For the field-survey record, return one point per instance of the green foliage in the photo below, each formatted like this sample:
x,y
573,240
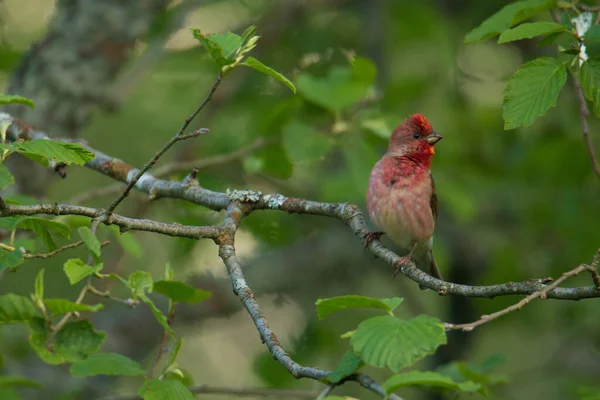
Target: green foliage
x,y
140,283
40,150
480,373
341,88
11,259
427,379
63,306
76,270
394,343
42,228
179,291
127,241
260,67
160,317
532,90
15,308
6,178
12,381
162,389
508,16
12,99
588,393
106,364
592,41
334,304
91,241
529,30
347,365
590,82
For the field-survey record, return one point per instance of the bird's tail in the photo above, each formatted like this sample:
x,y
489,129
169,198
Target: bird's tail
x,y
428,264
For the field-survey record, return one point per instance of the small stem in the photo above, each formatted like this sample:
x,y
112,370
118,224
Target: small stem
x,y
584,113
68,316
163,342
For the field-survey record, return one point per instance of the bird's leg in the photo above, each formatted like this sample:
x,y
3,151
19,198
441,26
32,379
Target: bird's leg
x,y
404,260
369,237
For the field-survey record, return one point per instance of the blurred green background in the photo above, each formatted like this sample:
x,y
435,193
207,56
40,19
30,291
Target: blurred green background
x,y
514,205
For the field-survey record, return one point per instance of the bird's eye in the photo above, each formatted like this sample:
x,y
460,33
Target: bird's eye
x,y
416,135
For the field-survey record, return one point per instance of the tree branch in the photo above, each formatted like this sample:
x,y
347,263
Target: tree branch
x,y
542,294
52,253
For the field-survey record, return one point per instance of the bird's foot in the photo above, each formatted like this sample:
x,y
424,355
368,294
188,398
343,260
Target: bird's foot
x,y
369,237
401,262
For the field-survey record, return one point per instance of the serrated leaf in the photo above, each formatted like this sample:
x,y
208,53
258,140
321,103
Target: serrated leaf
x,y
11,259
90,240
6,178
394,343
529,30
13,99
160,317
106,364
221,46
166,389
15,308
68,153
13,381
532,90
63,306
180,291
39,284
591,39
77,340
140,283
260,67
590,82
76,270
347,365
303,143
427,378
341,88
334,304
508,16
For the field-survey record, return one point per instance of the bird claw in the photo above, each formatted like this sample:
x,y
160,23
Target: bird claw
x,y
401,262
370,237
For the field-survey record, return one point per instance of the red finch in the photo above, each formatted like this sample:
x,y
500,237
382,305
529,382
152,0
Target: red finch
x,y
401,199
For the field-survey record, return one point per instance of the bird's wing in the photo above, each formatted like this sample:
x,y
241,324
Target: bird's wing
x,y
433,201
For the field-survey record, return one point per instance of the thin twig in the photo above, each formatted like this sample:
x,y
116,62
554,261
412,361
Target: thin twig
x,y
542,294
52,253
237,392
131,303
584,113
326,391
594,269
162,344
166,147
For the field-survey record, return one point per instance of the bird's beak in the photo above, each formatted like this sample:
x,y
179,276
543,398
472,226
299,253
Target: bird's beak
x,y
433,138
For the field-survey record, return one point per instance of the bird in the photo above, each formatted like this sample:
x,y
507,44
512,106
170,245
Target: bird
x,y
401,198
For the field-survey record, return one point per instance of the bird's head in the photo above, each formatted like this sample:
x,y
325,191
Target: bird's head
x,y
413,136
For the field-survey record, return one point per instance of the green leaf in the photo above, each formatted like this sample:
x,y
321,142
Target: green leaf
x,y
175,351
11,259
160,317
166,389
76,270
77,340
529,30
90,240
347,365
591,39
532,90
334,304
180,291
68,153
15,308
221,46
140,283
340,89
106,364
12,99
260,67
590,82
394,343
42,228
588,393
39,284
6,178
508,16
427,378
63,306
303,143
13,381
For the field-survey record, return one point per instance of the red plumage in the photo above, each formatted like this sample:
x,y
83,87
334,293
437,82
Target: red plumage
x,y
401,199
